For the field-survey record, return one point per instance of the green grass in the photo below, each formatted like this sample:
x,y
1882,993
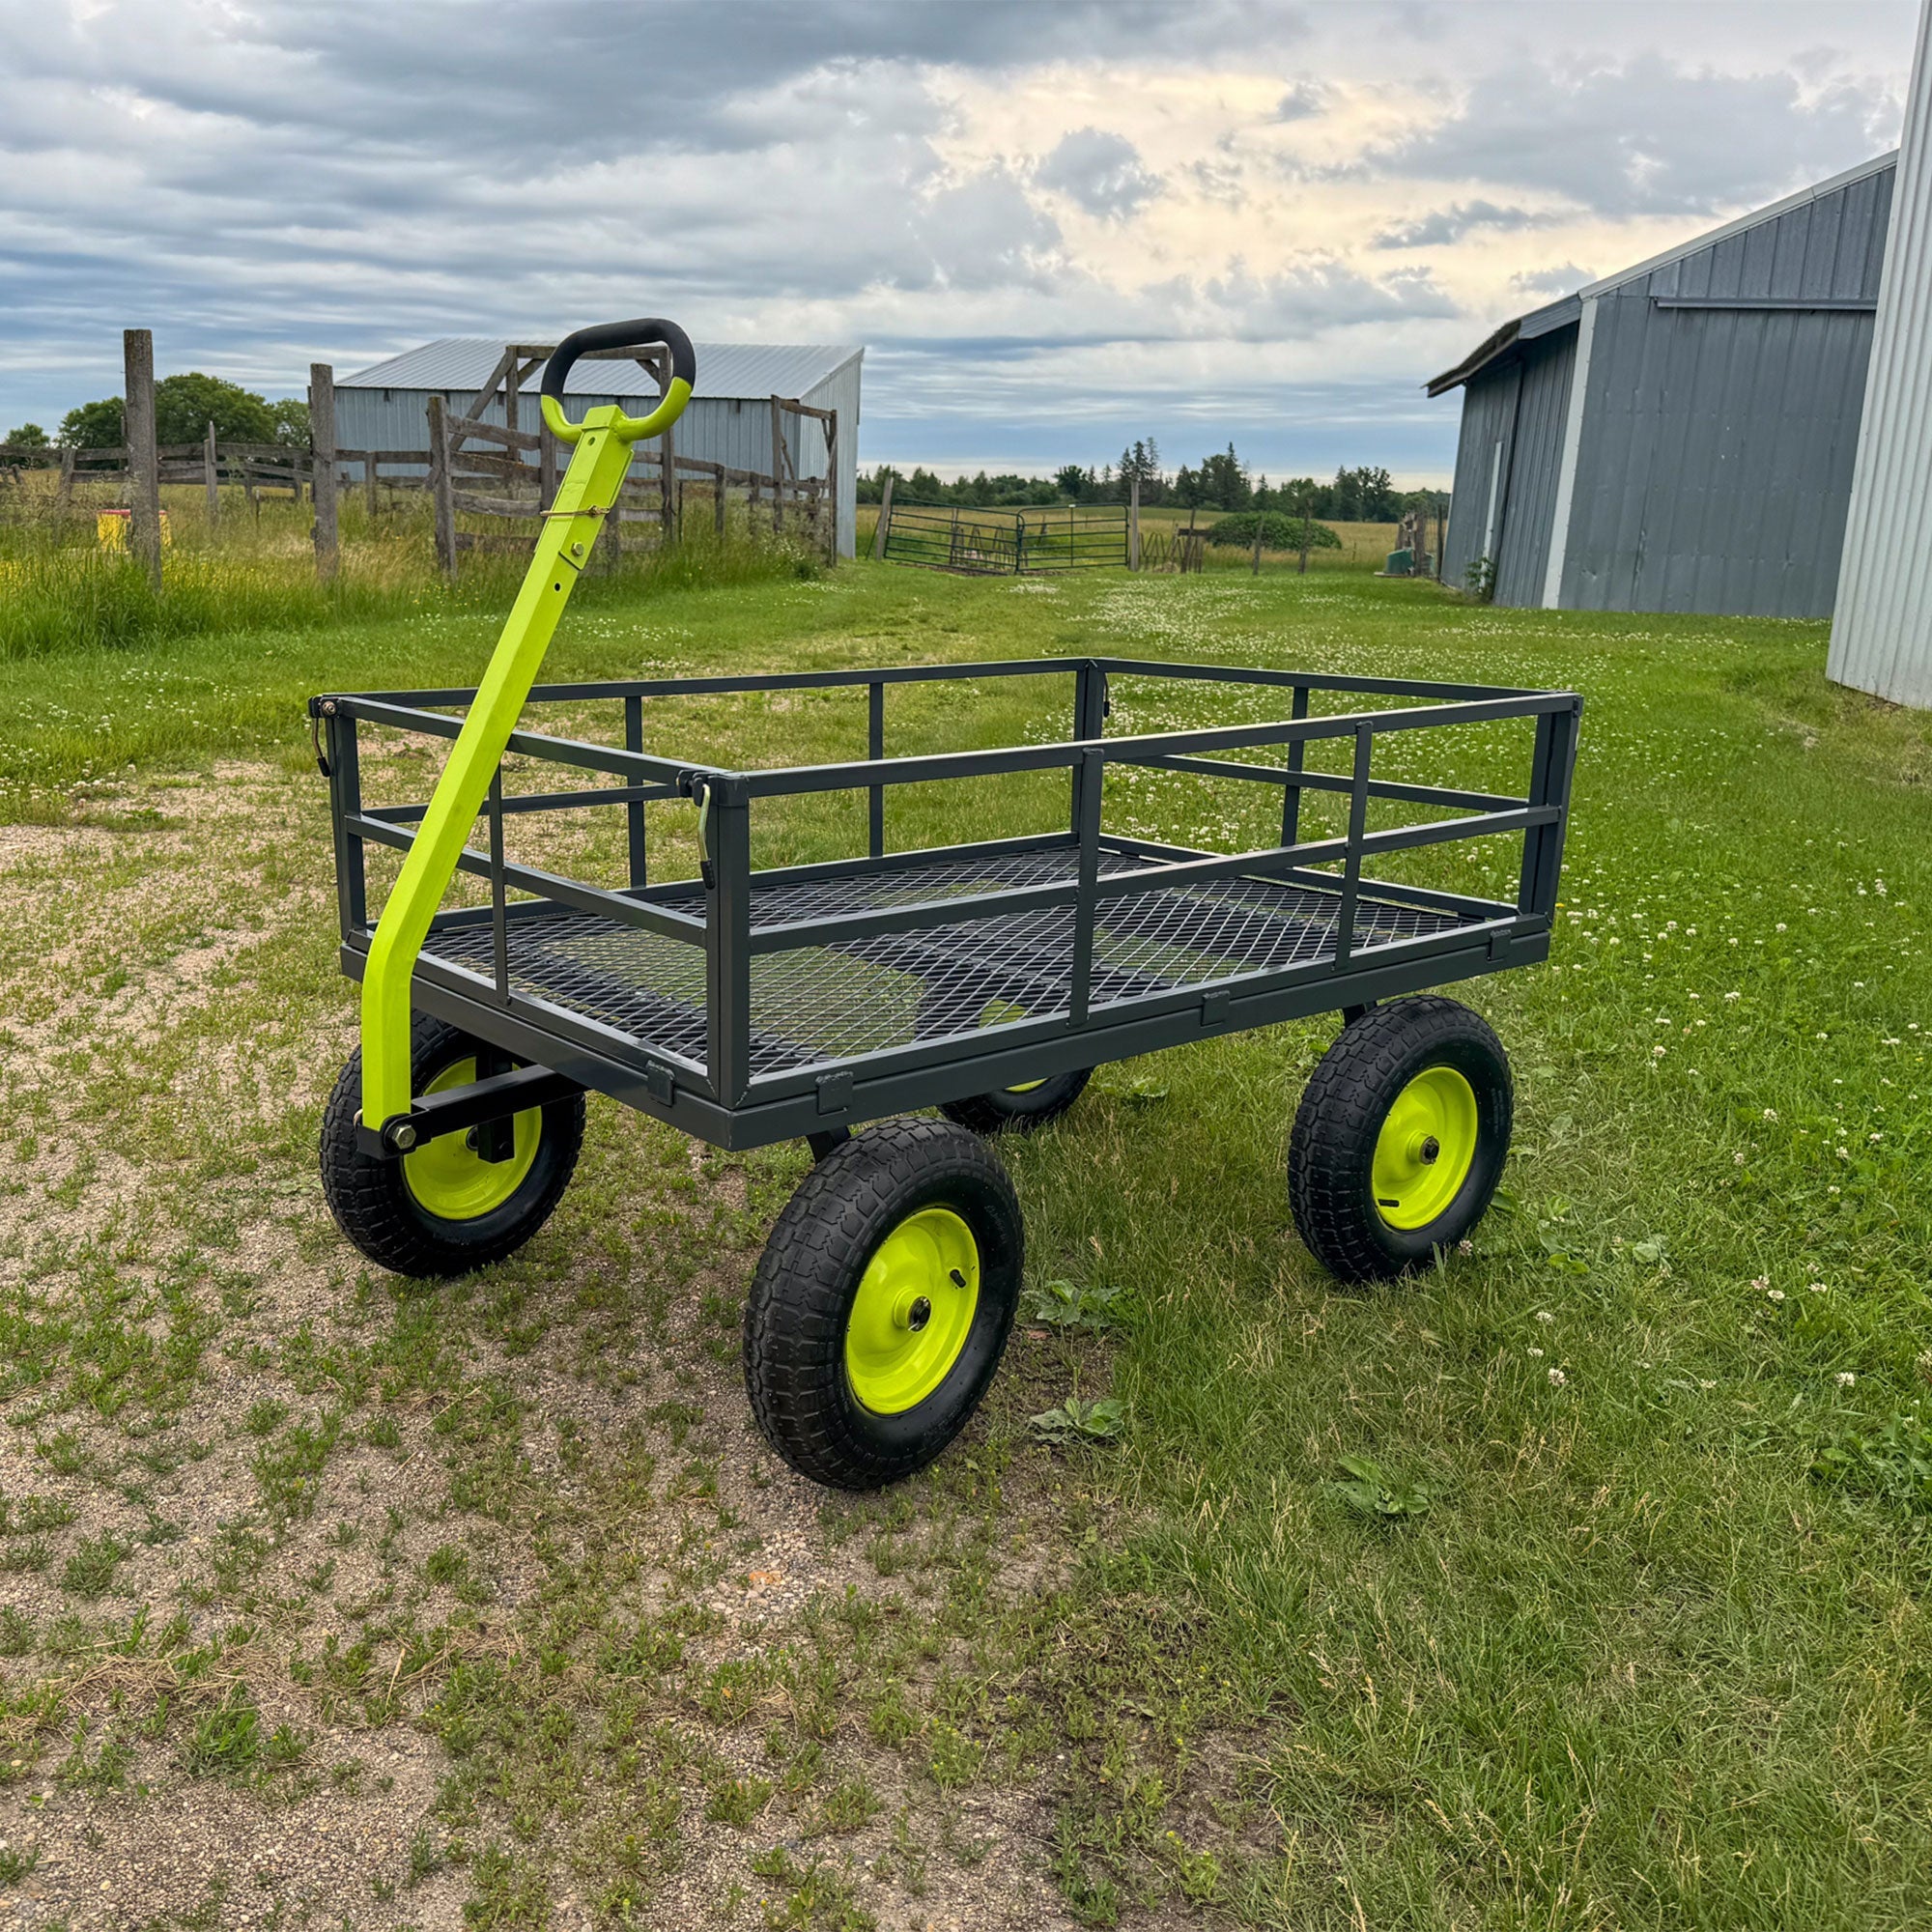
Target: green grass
x,y
1578,1583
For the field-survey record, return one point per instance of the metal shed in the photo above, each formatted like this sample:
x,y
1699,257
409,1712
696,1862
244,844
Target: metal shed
x,y
1680,435
729,420
1882,630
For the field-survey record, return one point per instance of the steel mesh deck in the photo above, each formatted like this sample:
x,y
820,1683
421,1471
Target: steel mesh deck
x,y
828,1002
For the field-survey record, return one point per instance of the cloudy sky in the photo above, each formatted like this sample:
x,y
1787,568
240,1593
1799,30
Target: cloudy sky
x,y
1055,225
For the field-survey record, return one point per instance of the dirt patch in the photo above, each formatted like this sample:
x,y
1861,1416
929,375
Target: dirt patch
x,y
331,1598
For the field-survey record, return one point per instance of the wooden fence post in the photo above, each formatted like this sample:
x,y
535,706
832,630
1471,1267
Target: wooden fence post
x,y
321,467
369,484
64,490
718,502
667,489
778,465
211,475
885,522
1133,523
546,468
144,469
440,489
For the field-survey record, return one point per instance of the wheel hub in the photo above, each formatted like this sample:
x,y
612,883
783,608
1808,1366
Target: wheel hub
x,y
913,1310
1426,1149
448,1176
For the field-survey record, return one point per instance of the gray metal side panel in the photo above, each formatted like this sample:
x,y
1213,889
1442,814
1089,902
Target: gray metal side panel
x,y
1718,445
1882,630
1535,461
1489,409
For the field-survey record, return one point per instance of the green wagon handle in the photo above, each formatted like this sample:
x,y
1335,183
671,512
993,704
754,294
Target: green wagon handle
x,y
600,457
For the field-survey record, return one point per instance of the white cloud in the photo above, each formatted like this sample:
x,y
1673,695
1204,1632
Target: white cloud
x,y
1131,215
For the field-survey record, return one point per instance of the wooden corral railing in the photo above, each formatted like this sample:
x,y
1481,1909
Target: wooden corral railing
x,y
485,469
470,468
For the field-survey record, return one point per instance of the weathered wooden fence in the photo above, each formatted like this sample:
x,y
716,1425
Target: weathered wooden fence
x,y
500,470
468,466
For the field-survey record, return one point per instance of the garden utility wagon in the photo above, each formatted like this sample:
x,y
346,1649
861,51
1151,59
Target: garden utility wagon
x,y
986,979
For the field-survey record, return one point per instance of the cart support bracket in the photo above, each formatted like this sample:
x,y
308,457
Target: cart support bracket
x,y
460,1110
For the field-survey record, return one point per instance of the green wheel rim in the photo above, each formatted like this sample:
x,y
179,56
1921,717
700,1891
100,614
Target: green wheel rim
x,y
1003,1012
1426,1149
450,1180
913,1310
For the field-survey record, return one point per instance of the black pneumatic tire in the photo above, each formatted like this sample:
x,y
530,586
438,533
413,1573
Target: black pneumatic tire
x,y
1005,1109
808,1278
371,1199
1331,1152
1008,1110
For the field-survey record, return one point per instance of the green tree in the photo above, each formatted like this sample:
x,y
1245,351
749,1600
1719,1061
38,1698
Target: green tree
x,y
1141,460
186,405
291,416
1223,481
24,446
1278,532
93,426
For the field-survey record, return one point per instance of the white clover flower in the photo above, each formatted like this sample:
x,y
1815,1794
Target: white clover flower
x,y
1558,1378
1737,1160
1780,926
1874,1139
1815,1286
1771,1113
1465,1246
1730,996
1536,1354
1703,1385
1844,1378
1760,1282
1543,1315
1844,1153
1775,1293
1658,1052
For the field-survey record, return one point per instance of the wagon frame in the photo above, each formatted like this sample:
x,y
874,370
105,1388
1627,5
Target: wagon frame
x,y
718,1097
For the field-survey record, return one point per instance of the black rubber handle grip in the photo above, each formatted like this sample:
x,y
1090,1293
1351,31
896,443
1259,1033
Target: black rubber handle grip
x,y
639,335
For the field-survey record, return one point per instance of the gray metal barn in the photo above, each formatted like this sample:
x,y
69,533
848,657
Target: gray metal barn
x,y
1680,435
729,420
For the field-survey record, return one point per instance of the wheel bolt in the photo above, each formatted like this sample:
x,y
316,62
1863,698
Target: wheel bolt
x,y
918,1315
1431,1149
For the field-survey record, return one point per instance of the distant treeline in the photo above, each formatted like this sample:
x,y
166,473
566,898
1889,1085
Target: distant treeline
x,y
1221,482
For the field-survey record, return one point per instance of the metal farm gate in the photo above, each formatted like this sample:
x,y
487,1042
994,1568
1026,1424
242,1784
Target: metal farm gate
x,y
1005,543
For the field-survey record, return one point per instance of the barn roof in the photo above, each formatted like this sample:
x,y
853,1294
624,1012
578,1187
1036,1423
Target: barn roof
x,y
724,369
1558,314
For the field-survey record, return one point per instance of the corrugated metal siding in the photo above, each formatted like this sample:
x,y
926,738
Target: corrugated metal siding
x,y
1715,458
1535,456
724,369
1488,415
1881,635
